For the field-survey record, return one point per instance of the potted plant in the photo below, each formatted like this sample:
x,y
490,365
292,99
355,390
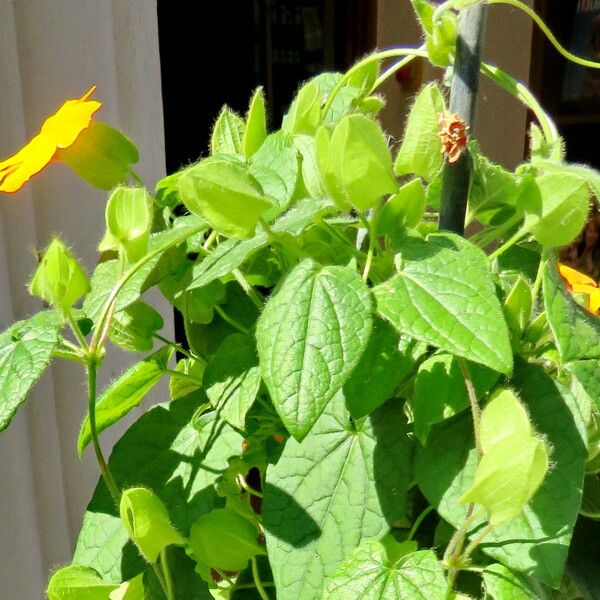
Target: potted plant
x,y
368,402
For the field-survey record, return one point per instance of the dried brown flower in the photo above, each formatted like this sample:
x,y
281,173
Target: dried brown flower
x,y
453,134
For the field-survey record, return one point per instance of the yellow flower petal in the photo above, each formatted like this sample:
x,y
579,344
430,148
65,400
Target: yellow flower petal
x,y
574,277
579,283
59,130
594,305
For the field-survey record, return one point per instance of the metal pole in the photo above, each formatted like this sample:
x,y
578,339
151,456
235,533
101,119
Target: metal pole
x,y
465,80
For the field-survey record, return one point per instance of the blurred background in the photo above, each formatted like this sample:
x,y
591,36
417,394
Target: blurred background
x,y
163,70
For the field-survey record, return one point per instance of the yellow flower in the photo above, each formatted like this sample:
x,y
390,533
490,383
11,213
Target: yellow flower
x,y
579,283
58,131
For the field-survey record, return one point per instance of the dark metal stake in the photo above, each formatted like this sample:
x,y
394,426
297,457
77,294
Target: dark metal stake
x,y
456,176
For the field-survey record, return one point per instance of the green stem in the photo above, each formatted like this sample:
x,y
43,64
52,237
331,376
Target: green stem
x,y
244,485
76,331
231,320
518,236
209,240
372,227
104,469
225,577
475,542
418,522
68,355
177,347
475,410
254,296
169,590
136,177
160,577
397,66
537,284
252,586
184,375
384,54
257,582
546,30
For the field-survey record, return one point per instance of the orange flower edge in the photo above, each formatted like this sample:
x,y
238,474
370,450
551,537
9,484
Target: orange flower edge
x,y
580,283
452,134
59,130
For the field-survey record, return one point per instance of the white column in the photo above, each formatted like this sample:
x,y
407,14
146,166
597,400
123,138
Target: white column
x,y
51,51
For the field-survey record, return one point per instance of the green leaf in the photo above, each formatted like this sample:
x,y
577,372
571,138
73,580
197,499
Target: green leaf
x,y
134,327
583,558
224,539
441,43
564,210
124,394
59,279
364,77
576,331
381,368
493,192
356,163
587,375
232,378
130,590
404,209
78,583
424,11
503,584
101,156
440,391
226,195
163,452
304,114
421,150
536,542
305,144
346,482
590,502
256,124
444,296
147,521
514,461
129,220
106,275
368,575
228,133
518,306
190,380
25,352
230,254
197,305
310,337
279,156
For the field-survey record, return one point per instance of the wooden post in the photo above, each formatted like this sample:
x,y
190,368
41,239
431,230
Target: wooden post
x,y
465,80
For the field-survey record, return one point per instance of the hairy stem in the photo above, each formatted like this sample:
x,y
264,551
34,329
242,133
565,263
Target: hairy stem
x,y
475,410
548,33
257,582
91,369
418,522
475,542
169,590
231,320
